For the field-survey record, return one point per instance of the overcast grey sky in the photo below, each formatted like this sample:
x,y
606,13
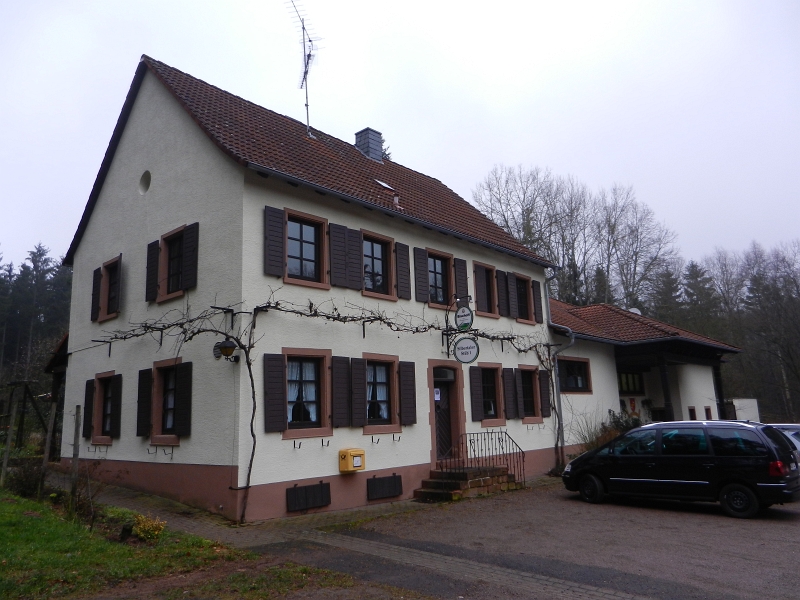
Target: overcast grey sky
x,y
694,103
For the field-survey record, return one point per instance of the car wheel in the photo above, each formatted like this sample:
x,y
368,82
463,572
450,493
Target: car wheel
x,y
591,489
738,501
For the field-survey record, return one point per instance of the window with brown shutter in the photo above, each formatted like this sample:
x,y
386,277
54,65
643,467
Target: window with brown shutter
x,y
524,299
103,408
379,393
171,402
434,277
298,386
107,290
172,264
527,385
485,290
274,238
486,392
307,255
380,267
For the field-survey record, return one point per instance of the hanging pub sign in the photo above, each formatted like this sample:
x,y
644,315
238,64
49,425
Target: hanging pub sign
x,y
464,318
466,349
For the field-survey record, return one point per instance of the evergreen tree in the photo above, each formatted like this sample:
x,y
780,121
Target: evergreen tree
x,y
702,304
665,298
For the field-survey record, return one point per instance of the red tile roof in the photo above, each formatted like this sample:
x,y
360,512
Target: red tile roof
x,y
619,326
267,141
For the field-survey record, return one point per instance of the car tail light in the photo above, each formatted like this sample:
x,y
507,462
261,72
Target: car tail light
x,y
778,469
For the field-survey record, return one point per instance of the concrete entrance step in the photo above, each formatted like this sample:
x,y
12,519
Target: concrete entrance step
x,y
446,486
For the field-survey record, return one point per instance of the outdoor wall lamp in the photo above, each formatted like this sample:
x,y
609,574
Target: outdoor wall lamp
x,y
225,350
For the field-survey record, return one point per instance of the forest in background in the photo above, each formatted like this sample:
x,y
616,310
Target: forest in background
x,y
613,250
34,316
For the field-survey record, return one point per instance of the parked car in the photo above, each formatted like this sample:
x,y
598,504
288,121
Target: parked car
x,y
743,466
790,430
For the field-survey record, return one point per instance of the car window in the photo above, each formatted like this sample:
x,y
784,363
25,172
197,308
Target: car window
x,y
736,442
777,438
683,441
636,443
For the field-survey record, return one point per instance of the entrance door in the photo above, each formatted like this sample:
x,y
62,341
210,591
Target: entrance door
x,y
444,426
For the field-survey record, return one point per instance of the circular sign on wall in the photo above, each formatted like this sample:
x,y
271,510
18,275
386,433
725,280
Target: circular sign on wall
x,y
466,349
464,318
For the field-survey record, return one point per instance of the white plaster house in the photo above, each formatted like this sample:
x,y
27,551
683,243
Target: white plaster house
x,y
204,199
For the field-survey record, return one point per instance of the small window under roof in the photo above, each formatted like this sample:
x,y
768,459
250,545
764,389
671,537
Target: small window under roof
x,y
383,184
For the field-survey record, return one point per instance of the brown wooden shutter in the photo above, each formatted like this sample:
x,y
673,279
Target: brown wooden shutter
x,y
355,259
520,395
191,243
338,243
340,393
462,287
88,408
408,393
476,393
544,392
358,391
403,271
275,407
151,279
183,399
481,298
97,278
421,290
537,301
118,289
144,403
513,309
502,293
510,394
274,253
116,405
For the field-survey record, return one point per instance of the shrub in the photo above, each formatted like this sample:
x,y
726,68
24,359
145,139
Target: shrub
x,y
148,528
23,479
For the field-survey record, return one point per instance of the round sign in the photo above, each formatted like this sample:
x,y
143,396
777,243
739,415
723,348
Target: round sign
x,y
466,349
464,318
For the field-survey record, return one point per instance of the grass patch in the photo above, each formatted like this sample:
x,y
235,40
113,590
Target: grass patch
x,y
43,555
272,582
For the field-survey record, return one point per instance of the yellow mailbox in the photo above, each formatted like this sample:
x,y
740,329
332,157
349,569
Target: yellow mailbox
x,y
351,460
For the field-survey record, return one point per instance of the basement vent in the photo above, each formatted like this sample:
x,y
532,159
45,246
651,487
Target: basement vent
x,y
308,496
384,487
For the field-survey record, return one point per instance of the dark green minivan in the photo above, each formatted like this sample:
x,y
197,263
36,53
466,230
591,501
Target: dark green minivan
x,y
743,466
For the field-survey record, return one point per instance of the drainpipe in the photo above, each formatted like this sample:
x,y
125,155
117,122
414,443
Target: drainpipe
x,y
556,380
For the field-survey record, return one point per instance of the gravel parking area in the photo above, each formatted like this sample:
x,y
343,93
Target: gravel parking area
x,y
657,549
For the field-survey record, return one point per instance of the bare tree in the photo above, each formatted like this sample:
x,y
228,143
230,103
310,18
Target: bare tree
x,y
524,203
642,249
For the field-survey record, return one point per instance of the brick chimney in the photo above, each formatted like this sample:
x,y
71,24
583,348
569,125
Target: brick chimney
x,y
369,142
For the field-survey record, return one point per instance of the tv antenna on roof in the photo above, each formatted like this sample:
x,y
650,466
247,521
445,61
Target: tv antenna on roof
x,y
308,56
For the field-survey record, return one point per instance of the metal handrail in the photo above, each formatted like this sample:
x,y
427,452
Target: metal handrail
x,y
484,450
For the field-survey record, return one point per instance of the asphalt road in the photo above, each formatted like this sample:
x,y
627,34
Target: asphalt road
x,y
657,549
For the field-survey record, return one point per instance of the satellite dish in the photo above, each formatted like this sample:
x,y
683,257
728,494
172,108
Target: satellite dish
x,y
635,311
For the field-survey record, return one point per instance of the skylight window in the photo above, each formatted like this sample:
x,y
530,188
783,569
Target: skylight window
x,y
383,184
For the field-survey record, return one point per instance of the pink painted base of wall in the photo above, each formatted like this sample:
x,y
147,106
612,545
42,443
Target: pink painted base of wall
x,y
268,501
207,486
201,486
